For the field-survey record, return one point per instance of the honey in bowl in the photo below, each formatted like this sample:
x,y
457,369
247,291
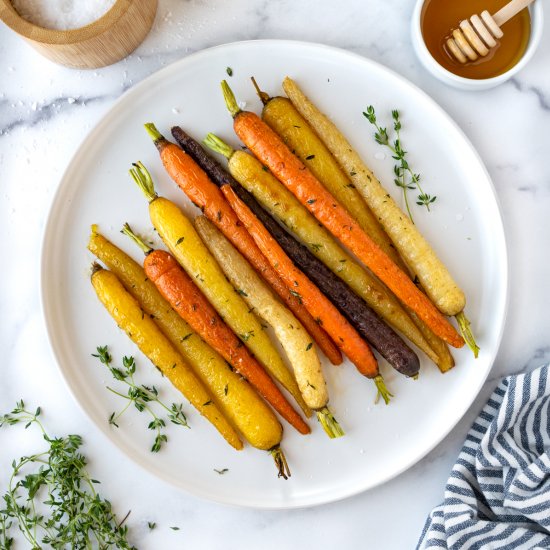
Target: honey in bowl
x,y
440,16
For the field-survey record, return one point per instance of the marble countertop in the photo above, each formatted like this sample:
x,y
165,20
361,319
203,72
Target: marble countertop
x,y
46,110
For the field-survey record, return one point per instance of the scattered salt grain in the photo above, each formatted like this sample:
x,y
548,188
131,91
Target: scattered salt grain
x,y
176,111
62,14
379,155
71,100
242,105
459,217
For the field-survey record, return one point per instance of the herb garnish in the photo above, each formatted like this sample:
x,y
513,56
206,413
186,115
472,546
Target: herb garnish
x,y
222,471
141,396
74,515
404,176
229,71
246,336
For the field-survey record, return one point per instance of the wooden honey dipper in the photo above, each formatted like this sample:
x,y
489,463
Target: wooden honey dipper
x,y
476,36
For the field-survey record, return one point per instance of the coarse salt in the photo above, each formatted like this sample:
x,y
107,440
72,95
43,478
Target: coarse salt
x,y
62,14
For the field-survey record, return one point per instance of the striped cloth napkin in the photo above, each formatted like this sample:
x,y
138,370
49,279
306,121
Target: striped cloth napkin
x,y
498,493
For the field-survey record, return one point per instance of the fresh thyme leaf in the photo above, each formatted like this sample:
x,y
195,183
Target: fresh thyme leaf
x,y
309,346
405,178
151,525
229,71
222,471
175,528
51,499
143,397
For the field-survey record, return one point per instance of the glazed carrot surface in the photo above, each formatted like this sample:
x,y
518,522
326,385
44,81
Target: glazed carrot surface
x,y
271,150
194,182
184,296
236,398
345,336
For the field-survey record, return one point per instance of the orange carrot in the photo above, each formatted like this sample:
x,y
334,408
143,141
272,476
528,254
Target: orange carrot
x,y
345,336
188,301
271,150
196,184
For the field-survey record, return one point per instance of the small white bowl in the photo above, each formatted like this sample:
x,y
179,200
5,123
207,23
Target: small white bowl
x,y
461,82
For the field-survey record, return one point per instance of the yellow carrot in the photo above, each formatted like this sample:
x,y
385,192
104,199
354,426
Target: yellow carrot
x,y
143,331
232,393
418,254
177,232
294,339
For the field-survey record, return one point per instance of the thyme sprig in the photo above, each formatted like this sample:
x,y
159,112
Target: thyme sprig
x,y
142,397
405,178
51,498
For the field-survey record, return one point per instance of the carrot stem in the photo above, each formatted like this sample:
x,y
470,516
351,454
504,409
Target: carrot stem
x,y
127,230
329,423
466,331
154,134
212,141
264,97
383,391
143,179
230,101
95,268
280,461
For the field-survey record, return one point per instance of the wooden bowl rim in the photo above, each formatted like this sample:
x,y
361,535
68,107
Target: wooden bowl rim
x,y
12,19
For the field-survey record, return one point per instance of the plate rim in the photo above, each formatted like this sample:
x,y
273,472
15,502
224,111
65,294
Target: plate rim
x,y
66,185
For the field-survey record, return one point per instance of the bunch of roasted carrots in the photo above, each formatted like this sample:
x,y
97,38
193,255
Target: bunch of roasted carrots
x,y
268,251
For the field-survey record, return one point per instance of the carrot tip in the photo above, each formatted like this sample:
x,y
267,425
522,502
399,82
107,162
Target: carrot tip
x,y
280,461
95,268
466,331
383,391
329,423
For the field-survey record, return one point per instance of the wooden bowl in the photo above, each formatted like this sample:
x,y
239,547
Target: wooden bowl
x,y
105,41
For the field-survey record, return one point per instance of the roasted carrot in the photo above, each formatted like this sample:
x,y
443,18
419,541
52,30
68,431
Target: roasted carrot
x,y
276,199
351,306
271,150
201,191
283,117
237,399
413,247
188,301
179,235
144,332
363,319
345,336
295,341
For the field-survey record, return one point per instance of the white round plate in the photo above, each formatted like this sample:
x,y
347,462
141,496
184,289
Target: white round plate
x,y
464,226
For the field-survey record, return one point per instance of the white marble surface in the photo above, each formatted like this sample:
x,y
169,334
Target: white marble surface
x,y
46,110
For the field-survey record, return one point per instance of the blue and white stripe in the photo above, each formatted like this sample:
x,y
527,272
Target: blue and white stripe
x,y
498,493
